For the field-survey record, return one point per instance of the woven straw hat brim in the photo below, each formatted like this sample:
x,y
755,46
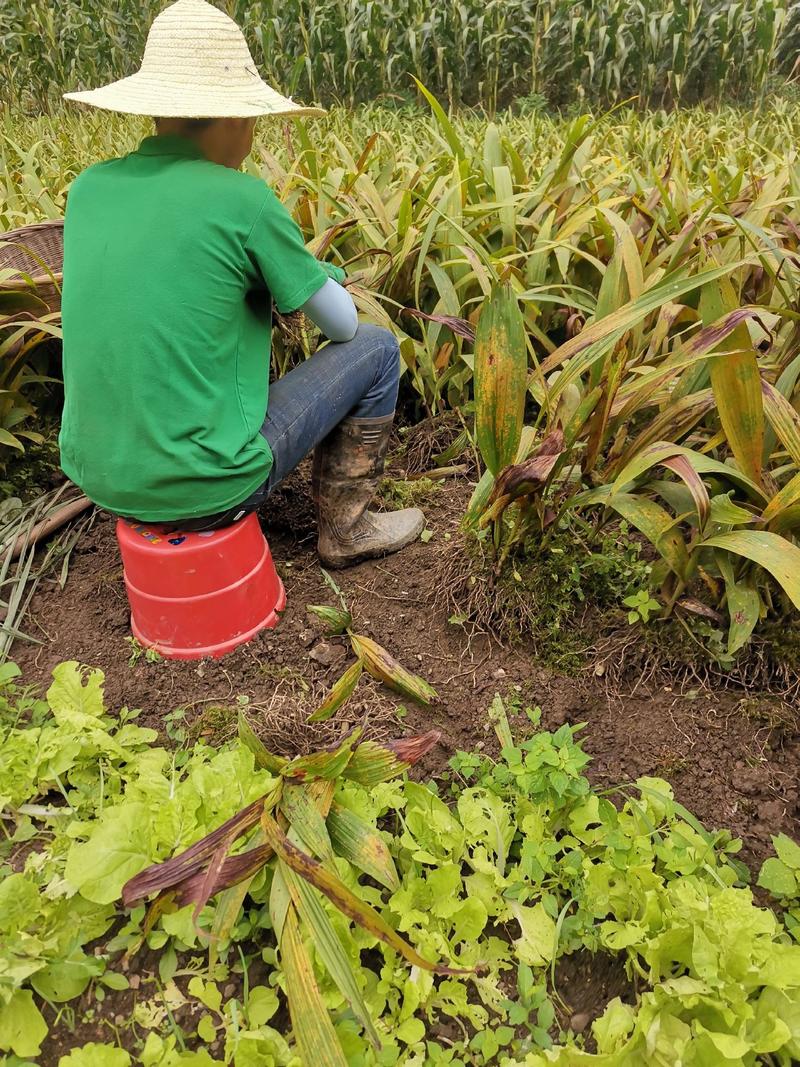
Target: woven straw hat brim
x,y
141,94
196,64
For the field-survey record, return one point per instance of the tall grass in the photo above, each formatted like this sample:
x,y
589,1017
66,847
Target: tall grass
x,y
484,52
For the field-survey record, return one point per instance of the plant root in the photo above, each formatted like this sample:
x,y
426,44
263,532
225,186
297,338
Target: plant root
x,y
420,445
282,721
508,607
631,659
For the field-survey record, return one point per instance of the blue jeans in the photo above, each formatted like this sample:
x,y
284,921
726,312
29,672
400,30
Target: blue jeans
x,y
357,378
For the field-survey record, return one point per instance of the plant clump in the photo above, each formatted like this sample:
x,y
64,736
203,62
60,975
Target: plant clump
x,y
555,596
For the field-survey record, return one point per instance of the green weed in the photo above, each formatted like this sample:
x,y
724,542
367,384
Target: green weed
x,y
398,493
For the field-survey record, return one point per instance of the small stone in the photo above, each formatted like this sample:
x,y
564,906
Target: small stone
x,y
307,637
229,991
327,654
134,981
579,1021
498,674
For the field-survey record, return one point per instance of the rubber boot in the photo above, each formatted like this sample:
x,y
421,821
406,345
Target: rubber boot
x,y
348,466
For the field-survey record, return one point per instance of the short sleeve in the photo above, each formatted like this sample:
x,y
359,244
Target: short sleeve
x,y
276,247
337,273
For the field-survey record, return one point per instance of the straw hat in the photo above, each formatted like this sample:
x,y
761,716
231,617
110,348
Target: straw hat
x,y
196,65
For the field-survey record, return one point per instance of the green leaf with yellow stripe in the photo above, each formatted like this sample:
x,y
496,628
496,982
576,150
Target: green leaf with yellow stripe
x,y
501,370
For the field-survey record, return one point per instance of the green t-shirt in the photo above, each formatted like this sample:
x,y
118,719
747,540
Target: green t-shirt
x,y
170,264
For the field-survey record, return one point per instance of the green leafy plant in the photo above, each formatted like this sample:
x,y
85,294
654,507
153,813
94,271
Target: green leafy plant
x,y
780,876
641,605
525,864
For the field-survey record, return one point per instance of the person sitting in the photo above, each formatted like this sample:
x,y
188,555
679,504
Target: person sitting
x,y
173,258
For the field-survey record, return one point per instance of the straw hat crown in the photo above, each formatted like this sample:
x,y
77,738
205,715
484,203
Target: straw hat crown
x,y
196,64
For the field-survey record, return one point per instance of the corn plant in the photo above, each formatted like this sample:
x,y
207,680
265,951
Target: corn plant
x,y
297,830
484,53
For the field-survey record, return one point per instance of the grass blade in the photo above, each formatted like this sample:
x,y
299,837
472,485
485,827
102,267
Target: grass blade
x,y
339,693
362,846
311,1024
329,948
736,383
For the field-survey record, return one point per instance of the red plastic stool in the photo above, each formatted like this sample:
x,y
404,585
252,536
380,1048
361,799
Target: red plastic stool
x,y
199,594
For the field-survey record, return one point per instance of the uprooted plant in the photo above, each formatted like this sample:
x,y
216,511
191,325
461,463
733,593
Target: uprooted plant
x,y
370,656
298,828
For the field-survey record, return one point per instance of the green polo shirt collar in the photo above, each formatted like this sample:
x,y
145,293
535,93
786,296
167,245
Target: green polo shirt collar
x,y
170,145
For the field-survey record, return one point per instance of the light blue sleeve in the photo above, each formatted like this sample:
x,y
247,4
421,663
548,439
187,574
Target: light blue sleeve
x,y
333,312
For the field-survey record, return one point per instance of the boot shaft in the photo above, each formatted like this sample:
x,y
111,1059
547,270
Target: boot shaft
x,y
356,448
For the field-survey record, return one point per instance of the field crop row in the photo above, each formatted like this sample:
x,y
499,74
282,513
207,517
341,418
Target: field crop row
x,y
484,52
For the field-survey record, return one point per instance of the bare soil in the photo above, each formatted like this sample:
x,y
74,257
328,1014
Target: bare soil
x,y
731,756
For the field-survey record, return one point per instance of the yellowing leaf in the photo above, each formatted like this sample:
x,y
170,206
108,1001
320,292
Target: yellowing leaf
x,y
305,812
736,382
362,846
339,693
329,948
787,497
342,898
501,371
373,762
784,419
316,1038
386,669
770,551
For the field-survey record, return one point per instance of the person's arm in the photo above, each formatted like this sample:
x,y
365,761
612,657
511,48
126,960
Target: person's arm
x,y
333,312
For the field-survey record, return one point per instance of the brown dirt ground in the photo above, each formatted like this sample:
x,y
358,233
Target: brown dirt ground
x,y
732,757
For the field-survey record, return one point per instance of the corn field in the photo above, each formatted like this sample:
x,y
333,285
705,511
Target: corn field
x,y
476,52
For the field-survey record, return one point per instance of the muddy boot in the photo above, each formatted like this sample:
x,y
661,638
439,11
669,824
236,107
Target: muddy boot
x,y
347,469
